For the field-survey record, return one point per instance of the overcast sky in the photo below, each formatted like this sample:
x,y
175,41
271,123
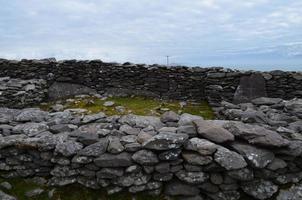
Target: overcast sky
x,y
246,34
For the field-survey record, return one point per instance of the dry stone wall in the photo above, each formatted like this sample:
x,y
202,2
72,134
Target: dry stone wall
x,y
212,84
183,156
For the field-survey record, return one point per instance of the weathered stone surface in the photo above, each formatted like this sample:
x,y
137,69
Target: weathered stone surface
x,y
256,135
192,177
61,90
187,119
257,157
68,148
34,192
242,174
95,149
169,116
4,196
114,160
230,160
115,146
30,128
175,188
141,121
145,157
293,193
259,189
170,154
93,118
196,159
266,101
165,141
250,87
211,132
202,146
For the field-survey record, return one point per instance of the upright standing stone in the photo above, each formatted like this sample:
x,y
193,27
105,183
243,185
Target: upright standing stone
x,y
250,87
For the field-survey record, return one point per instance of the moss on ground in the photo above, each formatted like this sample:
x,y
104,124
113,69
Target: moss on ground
x,y
71,192
136,105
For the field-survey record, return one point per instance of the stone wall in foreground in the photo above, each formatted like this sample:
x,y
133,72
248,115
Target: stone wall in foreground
x,y
184,83
182,156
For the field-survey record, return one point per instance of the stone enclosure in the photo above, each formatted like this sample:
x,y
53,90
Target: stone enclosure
x,y
183,83
252,151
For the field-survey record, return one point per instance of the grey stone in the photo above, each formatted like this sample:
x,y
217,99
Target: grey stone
x,y
259,189
250,87
266,101
93,118
141,121
4,196
202,146
196,159
95,149
62,90
31,129
110,173
187,119
192,177
230,160
169,155
211,132
145,157
165,141
34,192
115,145
244,174
257,135
293,193
276,164
189,130
114,160
68,148
6,185
129,130
176,188
31,115
169,116
257,157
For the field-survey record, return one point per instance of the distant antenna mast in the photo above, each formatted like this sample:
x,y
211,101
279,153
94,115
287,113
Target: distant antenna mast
x,y
167,60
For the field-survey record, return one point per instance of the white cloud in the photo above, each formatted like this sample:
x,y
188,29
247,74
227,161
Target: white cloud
x,y
146,31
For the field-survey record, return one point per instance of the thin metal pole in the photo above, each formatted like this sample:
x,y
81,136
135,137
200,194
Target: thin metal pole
x,y
167,60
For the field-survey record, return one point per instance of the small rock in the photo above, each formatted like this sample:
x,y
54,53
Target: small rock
x,y
109,103
6,185
34,193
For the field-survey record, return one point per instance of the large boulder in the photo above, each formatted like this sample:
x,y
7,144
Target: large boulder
x,y
212,132
250,87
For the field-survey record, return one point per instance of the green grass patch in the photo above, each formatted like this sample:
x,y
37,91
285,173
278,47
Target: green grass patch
x,y
135,105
